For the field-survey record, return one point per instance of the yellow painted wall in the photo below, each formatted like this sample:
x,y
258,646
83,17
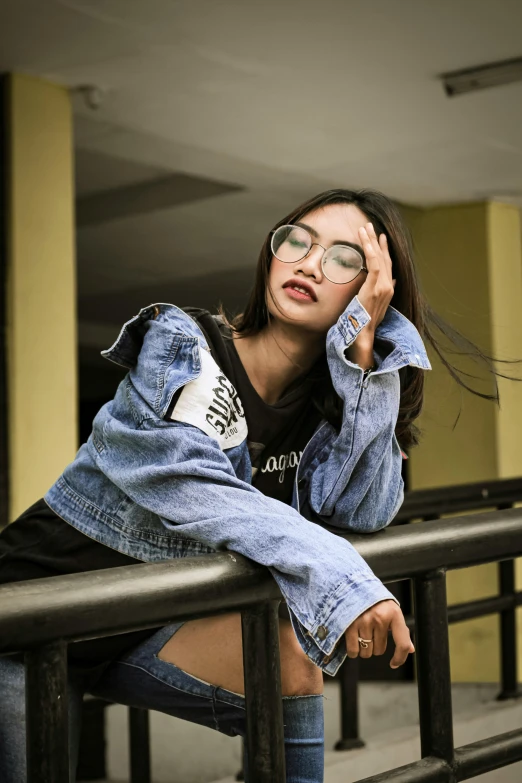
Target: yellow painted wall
x,y
41,289
505,285
470,265
505,275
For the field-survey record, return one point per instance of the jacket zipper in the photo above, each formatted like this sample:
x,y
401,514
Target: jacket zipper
x,y
296,480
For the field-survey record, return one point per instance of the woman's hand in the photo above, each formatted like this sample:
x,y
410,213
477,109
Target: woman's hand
x,y
374,625
375,293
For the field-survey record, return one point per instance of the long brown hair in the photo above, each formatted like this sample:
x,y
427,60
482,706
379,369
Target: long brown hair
x,y
407,299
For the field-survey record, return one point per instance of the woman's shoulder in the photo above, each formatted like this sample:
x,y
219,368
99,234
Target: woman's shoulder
x,y
152,325
213,323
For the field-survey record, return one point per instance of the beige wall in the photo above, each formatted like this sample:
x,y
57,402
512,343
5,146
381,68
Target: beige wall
x,y
470,263
41,317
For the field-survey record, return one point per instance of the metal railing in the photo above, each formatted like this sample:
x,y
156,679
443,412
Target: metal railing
x,y
430,504
42,616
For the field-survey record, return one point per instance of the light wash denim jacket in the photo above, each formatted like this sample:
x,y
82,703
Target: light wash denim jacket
x,y
157,485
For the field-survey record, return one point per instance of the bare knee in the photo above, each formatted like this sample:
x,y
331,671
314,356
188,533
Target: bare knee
x,y
211,649
303,683
299,676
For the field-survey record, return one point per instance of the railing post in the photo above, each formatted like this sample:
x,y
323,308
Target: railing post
x,y
47,718
433,666
349,676
139,745
508,633
264,705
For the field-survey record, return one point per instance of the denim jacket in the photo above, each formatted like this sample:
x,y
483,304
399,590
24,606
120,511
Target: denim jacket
x,y
158,481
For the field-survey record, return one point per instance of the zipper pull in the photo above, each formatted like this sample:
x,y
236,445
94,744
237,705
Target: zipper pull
x,y
366,375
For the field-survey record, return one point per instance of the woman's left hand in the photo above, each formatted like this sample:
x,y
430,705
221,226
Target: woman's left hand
x,y
377,290
375,293
372,627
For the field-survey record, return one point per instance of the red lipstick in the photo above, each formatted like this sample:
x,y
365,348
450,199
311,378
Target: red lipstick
x,y
300,290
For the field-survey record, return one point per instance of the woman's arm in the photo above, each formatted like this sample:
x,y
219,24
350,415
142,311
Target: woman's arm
x,y
357,483
180,474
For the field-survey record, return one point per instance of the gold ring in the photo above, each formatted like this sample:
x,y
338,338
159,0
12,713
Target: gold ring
x,y
365,642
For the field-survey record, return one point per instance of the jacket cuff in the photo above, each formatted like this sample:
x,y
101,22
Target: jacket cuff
x,y
324,643
352,321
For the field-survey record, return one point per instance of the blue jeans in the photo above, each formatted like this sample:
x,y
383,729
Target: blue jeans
x,y
141,679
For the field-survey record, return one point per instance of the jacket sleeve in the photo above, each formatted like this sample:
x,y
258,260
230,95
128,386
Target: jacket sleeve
x,y
355,481
181,474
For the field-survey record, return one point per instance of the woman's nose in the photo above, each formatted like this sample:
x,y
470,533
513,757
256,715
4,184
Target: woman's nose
x,y
311,263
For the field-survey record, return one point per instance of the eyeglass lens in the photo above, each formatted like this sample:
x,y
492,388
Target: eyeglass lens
x,y
341,264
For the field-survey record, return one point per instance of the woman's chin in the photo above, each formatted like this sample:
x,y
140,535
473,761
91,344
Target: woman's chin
x,y
294,317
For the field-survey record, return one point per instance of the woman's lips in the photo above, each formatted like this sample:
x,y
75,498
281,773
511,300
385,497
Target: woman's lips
x,y
299,292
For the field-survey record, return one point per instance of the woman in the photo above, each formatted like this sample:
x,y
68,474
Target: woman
x,y
247,436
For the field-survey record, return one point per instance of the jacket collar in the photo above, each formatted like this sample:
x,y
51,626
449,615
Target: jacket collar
x,y
394,327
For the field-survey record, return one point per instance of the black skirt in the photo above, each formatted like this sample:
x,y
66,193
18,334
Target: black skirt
x,y
41,544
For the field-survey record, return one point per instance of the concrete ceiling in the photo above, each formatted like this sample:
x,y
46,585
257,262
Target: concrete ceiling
x,y
260,104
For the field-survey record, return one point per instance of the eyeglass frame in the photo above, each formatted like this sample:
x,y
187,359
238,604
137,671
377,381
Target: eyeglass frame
x,y
325,249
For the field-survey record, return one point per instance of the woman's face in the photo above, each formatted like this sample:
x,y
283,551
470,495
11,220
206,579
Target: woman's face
x,y
332,225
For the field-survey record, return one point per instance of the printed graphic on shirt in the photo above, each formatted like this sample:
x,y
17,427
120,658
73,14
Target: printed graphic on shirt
x,y
212,404
280,464
255,450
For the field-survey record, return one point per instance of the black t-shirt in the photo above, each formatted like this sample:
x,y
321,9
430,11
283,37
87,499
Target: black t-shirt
x,y
40,544
277,434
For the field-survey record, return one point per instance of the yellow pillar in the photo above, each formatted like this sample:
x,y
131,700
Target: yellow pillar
x,y
41,293
470,262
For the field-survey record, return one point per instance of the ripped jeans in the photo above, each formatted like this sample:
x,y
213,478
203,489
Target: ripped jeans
x,y
141,679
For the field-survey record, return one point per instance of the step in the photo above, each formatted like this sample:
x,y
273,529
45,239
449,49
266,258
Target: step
x,y
401,746
185,753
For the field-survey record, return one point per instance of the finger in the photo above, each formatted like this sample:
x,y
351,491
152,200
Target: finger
x,y
375,241
372,261
403,643
380,639
380,245
383,244
352,643
366,633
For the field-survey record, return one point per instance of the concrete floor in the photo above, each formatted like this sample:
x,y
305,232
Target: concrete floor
x,y
186,753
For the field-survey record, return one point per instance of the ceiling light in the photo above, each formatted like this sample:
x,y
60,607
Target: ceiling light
x,y
482,76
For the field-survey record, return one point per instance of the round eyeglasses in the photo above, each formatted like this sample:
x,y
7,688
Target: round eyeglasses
x,y
340,263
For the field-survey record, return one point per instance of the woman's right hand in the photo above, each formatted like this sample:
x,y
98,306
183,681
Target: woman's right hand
x,y
374,625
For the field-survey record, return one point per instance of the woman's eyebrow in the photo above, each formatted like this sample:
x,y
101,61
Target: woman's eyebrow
x,y
314,233
354,245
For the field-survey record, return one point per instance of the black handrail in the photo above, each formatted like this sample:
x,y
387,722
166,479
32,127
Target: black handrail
x,y
424,503
430,504
41,616
119,600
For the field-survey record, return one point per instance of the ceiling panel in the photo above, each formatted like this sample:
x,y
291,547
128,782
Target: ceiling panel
x,y
281,99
